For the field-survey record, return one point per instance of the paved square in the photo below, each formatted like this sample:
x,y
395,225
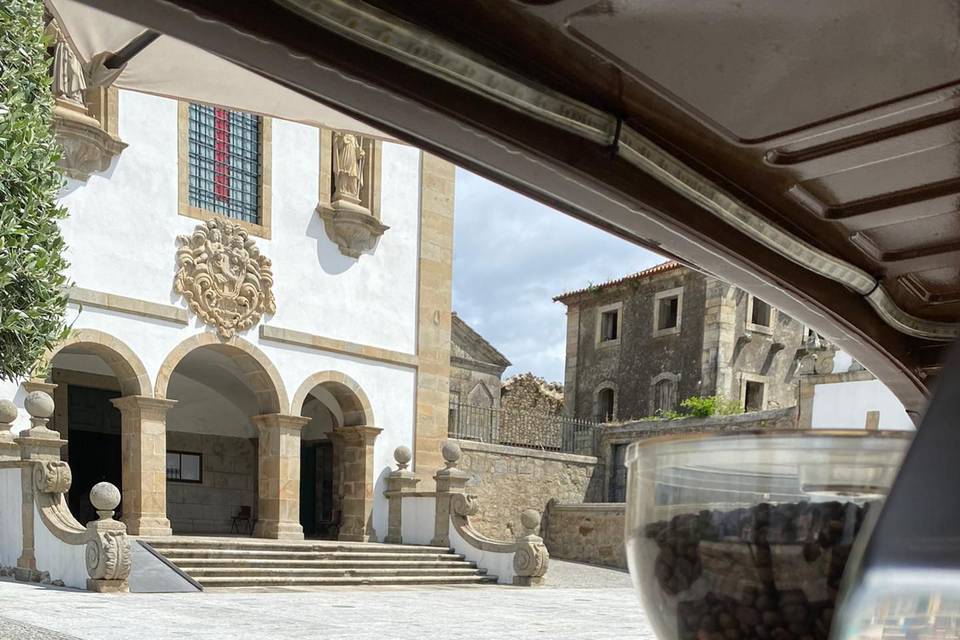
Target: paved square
x,y
581,602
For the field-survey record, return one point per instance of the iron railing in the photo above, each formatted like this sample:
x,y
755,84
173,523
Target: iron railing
x,y
530,429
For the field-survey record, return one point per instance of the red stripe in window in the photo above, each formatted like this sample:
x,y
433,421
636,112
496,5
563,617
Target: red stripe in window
x,y
221,151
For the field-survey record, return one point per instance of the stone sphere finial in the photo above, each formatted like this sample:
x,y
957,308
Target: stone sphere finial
x,y
450,452
530,519
403,456
8,412
38,404
105,497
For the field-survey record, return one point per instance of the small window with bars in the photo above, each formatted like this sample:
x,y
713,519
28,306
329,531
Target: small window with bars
x,y
224,158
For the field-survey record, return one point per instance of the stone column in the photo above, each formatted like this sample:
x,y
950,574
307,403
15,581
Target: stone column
x,y
356,464
399,482
278,486
143,443
449,480
719,330
37,444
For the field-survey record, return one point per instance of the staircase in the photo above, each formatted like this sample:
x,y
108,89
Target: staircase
x,y
241,562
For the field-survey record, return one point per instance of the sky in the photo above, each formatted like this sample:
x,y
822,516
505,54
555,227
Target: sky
x,y
512,255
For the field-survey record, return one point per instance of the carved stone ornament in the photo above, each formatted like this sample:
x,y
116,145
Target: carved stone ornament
x,y
108,554
531,558
354,232
465,505
87,148
348,220
227,283
52,477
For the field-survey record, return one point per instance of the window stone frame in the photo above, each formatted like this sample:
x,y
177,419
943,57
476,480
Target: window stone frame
x,y
660,295
660,377
759,328
607,384
598,336
184,208
753,377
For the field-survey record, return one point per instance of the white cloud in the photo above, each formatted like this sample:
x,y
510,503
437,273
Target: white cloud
x,y
512,256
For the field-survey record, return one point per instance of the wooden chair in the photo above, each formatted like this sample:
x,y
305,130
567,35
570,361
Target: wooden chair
x,y
245,515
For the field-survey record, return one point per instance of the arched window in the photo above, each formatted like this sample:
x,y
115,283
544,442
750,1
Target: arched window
x,y
664,396
606,404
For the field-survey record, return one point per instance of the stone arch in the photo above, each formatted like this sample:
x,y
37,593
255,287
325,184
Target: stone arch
x,y
668,383
258,371
349,395
125,364
603,413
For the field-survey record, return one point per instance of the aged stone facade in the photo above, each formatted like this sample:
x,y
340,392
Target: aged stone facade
x,y
509,480
476,367
644,343
527,392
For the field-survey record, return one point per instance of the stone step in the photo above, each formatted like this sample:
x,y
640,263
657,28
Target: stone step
x,y
283,563
176,554
177,542
200,574
345,581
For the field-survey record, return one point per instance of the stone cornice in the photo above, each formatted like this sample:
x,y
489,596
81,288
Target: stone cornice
x,y
125,304
833,378
313,341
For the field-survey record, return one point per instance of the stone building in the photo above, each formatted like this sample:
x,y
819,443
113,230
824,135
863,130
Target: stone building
x,y
643,343
476,367
260,316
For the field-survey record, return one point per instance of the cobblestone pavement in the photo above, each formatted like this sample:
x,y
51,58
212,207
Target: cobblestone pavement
x,y
592,603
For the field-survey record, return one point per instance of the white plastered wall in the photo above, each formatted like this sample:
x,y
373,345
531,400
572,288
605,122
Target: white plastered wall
x,y
121,237
11,523
844,405
418,519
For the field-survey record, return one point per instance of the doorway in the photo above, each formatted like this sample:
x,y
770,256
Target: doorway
x,y
93,431
316,490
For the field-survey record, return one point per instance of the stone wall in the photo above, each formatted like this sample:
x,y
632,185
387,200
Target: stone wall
x,y
612,435
229,482
589,532
527,392
508,480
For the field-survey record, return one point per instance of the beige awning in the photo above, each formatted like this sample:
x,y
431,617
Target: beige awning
x,y
171,68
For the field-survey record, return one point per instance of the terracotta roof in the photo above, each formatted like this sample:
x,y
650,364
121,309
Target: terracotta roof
x,y
669,265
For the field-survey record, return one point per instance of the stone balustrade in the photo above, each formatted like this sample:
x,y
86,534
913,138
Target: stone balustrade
x,y
40,540
523,561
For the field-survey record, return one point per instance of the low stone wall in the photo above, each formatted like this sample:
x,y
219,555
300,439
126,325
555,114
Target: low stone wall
x,y
612,435
229,482
588,532
508,480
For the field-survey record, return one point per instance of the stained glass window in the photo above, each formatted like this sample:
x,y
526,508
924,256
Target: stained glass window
x,y
224,160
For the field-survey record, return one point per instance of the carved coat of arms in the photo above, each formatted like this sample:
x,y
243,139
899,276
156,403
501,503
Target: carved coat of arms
x,y
226,281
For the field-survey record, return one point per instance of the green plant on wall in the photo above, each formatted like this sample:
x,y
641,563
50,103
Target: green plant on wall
x,y
32,266
706,406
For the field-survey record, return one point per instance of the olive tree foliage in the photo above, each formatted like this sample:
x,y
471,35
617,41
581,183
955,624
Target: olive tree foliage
x,y
32,266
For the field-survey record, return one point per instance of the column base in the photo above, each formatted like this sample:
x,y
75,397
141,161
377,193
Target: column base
x,y
393,540
107,586
147,526
353,537
276,530
24,574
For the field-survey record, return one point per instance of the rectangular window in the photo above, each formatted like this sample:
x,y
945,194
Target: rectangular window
x,y
609,325
753,396
224,162
669,312
760,314
184,467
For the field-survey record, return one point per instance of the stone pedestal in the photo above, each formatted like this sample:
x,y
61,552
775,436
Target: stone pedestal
x,y
143,439
279,476
449,480
399,482
356,488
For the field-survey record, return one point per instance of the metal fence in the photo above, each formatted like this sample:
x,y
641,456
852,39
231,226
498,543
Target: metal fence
x,y
530,429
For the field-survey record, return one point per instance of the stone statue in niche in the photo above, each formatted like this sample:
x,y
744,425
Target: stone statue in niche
x,y
69,80
348,161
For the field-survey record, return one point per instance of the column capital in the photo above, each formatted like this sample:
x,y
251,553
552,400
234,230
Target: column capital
x,y
356,435
279,421
155,408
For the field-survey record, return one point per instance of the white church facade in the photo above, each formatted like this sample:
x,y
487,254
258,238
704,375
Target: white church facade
x,y
259,317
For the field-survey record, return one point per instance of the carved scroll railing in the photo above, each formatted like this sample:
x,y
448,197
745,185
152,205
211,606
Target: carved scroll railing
x,y
37,528
523,561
